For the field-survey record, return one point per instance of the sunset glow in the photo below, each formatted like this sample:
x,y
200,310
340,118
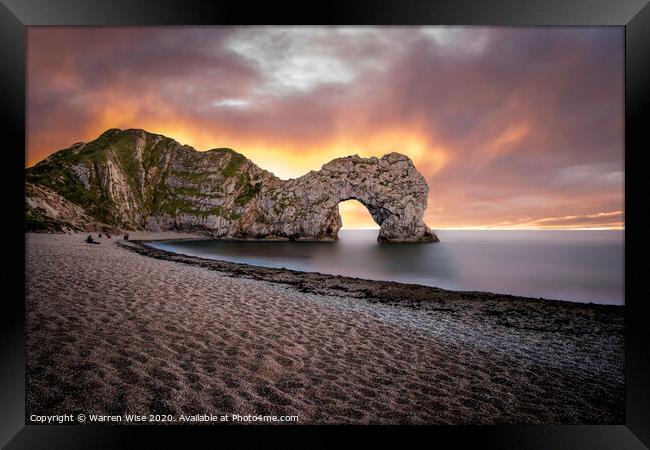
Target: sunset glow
x,y
513,128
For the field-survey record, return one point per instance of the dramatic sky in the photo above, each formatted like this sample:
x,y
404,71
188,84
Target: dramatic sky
x,y
511,127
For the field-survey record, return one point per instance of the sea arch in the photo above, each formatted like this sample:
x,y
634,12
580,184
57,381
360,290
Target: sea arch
x,y
390,187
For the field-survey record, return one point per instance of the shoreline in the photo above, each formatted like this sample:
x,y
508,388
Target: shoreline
x,y
383,291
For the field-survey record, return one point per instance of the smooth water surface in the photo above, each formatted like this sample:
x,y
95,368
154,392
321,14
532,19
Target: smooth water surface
x,y
582,266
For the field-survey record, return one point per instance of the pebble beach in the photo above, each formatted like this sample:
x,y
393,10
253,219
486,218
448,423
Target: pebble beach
x,y
121,328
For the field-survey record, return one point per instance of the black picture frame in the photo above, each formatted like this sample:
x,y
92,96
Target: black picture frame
x,y
634,15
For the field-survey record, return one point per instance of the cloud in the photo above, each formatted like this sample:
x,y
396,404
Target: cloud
x,y
231,103
506,124
611,219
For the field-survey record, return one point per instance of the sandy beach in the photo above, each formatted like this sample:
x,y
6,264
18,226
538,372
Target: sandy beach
x,y
116,329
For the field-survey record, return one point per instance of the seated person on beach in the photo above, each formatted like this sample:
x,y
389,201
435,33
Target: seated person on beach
x,y
100,235
89,240
126,237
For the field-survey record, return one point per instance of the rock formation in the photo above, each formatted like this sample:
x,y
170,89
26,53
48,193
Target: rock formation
x,y
137,180
45,209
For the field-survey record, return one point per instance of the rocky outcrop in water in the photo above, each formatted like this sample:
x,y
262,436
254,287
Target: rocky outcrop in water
x,y
137,180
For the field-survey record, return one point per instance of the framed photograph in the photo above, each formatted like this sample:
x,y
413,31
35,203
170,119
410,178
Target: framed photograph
x,y
424,218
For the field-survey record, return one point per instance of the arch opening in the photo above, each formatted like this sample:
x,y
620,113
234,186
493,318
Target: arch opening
x,y
356,216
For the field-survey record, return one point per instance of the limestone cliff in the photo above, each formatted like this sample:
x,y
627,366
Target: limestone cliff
x,y
137,180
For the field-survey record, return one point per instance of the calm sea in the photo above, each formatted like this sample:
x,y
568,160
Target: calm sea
x,y
581,266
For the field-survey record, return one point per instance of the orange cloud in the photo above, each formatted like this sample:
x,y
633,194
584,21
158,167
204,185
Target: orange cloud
x,y
507,140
